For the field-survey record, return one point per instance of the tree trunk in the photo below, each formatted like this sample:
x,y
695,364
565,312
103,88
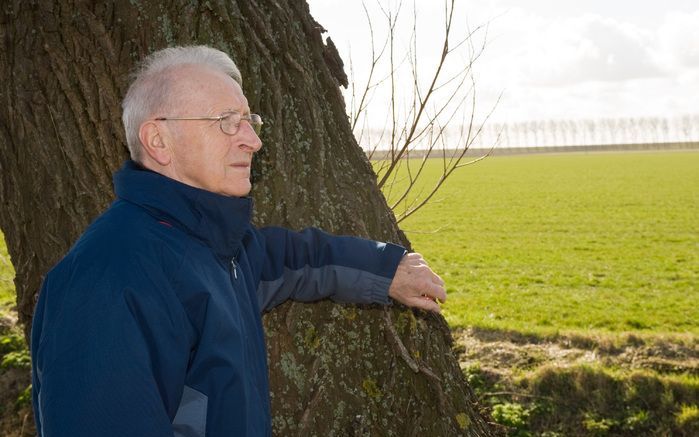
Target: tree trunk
x,y
335,370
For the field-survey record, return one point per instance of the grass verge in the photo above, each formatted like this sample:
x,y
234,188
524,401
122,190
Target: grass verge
x,y
576,386
16,418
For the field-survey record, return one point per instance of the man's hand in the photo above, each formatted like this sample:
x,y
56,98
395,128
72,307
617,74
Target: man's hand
x,y
416,285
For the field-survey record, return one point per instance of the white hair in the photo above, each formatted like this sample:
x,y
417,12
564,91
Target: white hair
x,y
150,90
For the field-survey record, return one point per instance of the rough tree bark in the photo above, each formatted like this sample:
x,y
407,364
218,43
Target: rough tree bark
x,y
335,370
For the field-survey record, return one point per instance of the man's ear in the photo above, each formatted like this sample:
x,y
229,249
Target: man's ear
x,y
153,142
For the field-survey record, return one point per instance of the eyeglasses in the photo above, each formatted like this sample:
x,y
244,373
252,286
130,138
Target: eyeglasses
x,y
229,121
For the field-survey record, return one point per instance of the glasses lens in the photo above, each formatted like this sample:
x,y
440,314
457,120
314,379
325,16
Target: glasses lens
x,y
256,123
230,122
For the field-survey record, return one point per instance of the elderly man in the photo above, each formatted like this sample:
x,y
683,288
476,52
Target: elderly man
x,y
151,324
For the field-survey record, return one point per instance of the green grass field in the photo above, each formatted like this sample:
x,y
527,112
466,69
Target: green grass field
x,y
7,275
593,243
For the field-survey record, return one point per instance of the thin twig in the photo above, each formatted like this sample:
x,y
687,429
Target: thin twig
x,y
398,343
436,231
511,393
396,156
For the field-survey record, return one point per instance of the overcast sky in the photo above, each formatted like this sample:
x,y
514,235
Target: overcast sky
x,y
556,59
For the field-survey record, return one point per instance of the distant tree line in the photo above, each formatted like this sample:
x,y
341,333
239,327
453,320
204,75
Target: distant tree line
x,y
582,132
629,130
585,132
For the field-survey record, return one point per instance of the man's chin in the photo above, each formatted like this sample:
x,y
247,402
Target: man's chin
x,y
240,190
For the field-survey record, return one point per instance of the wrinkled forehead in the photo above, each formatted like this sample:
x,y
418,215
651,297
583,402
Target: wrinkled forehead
x,y
197,88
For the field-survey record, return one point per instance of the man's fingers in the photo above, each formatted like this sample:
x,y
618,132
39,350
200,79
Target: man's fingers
x,y
437,280
426,303
435,292
417,285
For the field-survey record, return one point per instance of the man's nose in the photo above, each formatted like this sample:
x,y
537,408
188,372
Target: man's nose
x,y
248,137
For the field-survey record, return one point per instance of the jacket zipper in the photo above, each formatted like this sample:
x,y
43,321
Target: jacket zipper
x,y
234,268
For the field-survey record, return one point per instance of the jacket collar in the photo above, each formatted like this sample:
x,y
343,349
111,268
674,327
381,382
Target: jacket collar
x,y
219,221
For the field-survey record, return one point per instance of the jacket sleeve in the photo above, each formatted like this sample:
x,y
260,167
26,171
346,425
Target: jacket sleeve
x,y
109,355
312,265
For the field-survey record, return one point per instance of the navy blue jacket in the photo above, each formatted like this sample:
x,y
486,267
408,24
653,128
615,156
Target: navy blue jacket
x,y
151,324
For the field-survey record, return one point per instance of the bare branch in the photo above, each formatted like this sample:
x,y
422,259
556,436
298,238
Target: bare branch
x,y
374,61
423,101
417,126
433,232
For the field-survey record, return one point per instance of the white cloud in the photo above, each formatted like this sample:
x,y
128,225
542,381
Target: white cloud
x,y
558,59
586,48
590,66
679,40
